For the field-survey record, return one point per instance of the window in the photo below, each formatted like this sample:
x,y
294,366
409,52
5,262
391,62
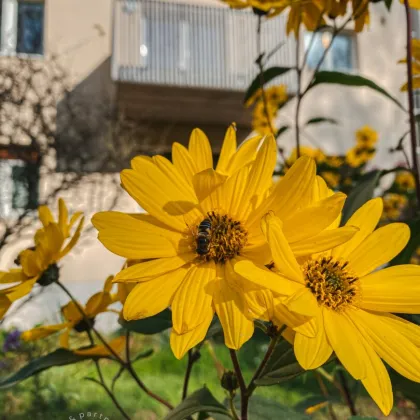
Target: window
x,y
22,27
341,55
30,28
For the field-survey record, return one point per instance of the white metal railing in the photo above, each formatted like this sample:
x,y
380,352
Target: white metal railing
x,y
193,45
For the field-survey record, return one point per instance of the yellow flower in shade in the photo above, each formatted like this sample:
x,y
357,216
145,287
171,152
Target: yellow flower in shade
x,y
415,258
360,14
264,5
39,264
332,178
74,319
350,301
394,205
334,161
336,8
359,155
193,233
315,154
117,345
405,181
274,95
415,49
366,136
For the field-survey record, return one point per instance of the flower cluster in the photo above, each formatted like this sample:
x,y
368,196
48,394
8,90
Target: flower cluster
x,y
415,52
266,105
226,240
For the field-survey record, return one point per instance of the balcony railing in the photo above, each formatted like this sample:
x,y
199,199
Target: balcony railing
x,y
191,45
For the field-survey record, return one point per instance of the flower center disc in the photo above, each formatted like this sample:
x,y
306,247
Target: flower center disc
x,y
331,283
227,237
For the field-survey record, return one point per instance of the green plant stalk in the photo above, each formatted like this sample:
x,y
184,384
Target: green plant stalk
x,y
126,364
190,364
347,393
413,139
242,385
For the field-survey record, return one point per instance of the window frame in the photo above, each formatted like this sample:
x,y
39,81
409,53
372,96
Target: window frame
x,y
329,56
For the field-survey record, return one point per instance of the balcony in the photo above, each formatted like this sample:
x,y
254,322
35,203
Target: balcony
x,y
187,63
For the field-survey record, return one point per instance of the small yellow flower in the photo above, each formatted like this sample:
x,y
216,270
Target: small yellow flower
x,y
263,5
39,264
350,301
394,205
366,137
334,161
405,181
415,48
196,228
359,155
332,178
315,154
74,319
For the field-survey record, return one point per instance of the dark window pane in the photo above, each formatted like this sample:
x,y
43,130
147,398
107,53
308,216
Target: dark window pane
x,y
30,28
342,52
317,49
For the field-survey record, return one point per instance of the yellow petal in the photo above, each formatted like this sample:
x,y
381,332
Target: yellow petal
x,y
230,308
193,299
378,248
45,215
282,254
152,297
314,219
117,344
42,332
303,302
63,215
145,271
28,261
108,284
392,346
365,219
228,149
158,195
267,279
74,239
406,328
181,343
290,193
97,304
72,312
324,241
183,162
5,304
393,289
260,177
12,276
377,382
346,342
133,238
205,182
64,338
245,154
200,150
313,352
16,292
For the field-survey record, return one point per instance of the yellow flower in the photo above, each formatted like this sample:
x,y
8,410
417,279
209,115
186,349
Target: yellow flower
x,y
336,8
274,95
415,49
332,178
39,264
360,14
334,161
405,180
117,344
74,319
359,155
315,154
264,5
394,205
349,301
194,232
366,136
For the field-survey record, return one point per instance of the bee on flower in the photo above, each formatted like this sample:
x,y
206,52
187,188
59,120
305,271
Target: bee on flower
x,y
178,198
38,264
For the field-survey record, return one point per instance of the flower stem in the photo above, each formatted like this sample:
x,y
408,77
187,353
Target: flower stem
x,y
242,386
411,103
192,358
347,393
298,94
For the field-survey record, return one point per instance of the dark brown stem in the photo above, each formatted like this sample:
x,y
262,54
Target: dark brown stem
x,y
269,352
298,94
242,386
347,393
413,139
190,364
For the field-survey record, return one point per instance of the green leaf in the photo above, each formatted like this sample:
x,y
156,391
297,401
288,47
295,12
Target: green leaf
x,y
262,409
388,4
336,77
282,130
405,255
409,389
360,194
318,120
152,325
281,367
198,401
59,357
268,75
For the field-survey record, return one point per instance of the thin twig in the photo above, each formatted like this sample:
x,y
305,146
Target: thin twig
x,y
347,393
298,91
413,138
324,391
